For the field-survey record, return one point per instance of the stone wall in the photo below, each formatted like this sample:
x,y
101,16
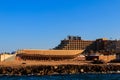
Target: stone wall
x,y
58,69
107,58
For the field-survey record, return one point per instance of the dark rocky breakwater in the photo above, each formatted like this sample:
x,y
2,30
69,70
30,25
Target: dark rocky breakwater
x,y
58,69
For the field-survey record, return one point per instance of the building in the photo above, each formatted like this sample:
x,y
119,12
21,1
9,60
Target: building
x,y
7,57
116,48
105,58
73,43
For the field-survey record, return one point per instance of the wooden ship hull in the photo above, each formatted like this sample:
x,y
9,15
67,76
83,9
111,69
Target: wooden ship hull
x,y
47,54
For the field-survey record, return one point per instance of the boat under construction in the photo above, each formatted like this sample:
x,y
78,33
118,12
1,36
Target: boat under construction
x,y
47,54
68,48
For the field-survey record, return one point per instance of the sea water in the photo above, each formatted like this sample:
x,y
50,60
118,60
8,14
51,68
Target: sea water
x,y
65,77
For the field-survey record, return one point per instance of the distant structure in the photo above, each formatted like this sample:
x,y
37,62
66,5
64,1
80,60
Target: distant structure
x,y
69,48
72,47
102,45
7,57
73,43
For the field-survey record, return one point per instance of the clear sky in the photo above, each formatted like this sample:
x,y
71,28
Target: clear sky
x,y
41,24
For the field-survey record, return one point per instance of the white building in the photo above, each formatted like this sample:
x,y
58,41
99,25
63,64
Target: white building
x,y
7,57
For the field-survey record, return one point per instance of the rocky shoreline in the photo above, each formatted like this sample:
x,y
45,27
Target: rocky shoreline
x,y
59,69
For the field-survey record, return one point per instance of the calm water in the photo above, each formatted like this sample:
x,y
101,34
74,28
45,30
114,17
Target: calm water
x,y
65,77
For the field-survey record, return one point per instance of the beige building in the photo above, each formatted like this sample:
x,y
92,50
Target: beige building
x,y
107,58
7,57
73,43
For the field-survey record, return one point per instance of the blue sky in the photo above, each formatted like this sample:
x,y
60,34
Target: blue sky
x,y
41,24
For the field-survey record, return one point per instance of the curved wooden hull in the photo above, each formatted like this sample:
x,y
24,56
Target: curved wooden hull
x,y
48,54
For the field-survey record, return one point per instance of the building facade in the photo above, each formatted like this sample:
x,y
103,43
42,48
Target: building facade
x,y
73,43
7,57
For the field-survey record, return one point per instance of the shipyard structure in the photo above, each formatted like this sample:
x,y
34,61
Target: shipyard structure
x,y
69,48
72,47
